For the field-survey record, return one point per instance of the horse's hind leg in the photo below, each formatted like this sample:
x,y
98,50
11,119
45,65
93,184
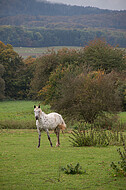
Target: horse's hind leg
x,y
57,132
49,138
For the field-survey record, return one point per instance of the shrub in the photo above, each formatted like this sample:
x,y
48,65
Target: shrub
x,y
110,122
107,121
84,96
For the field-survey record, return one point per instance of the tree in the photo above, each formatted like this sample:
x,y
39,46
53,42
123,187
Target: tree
x,y
100,55
28,71
2,83
47,64
44,66
13,71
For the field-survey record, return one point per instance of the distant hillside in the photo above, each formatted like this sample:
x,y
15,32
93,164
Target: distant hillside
x,y
35,8
42,24
32,13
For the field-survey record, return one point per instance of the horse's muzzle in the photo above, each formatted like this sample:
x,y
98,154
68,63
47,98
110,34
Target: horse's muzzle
x,y
36,117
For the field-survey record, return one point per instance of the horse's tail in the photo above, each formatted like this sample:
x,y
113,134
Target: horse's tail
x,y
62,126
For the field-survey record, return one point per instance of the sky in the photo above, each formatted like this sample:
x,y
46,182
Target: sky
x,y
102,4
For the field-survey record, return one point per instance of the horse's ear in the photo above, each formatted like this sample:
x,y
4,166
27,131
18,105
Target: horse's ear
x,y
39,106
34,106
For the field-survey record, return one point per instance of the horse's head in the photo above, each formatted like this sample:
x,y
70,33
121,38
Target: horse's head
x,y
37,111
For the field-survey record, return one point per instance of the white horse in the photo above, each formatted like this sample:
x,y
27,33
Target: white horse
x,y
46,122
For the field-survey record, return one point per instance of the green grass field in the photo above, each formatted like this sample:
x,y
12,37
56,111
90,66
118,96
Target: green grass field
x,y
122,116
18,114
36,52
24,166
39,51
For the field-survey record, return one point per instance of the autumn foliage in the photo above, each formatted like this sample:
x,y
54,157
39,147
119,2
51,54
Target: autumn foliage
x,y
82,84
15,75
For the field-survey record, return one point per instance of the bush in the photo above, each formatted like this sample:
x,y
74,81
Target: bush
x,y
109,122
85,96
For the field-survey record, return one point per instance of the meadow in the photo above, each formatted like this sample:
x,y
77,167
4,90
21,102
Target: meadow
x,y
18,114
37,52
24,166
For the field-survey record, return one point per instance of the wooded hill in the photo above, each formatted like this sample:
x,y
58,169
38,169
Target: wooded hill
x,y
33,16
35,7
32,13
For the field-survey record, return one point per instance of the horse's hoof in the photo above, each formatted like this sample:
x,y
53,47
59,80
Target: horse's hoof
x,y
57,145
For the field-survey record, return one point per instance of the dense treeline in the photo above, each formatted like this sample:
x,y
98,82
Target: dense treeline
x,y
39,37
114,20
82,84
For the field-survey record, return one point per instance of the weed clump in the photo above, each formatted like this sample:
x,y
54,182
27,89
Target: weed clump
x,y
95,137
70,169
120,168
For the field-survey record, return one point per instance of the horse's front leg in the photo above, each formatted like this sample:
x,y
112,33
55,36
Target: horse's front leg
x,y
49,137
39,132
